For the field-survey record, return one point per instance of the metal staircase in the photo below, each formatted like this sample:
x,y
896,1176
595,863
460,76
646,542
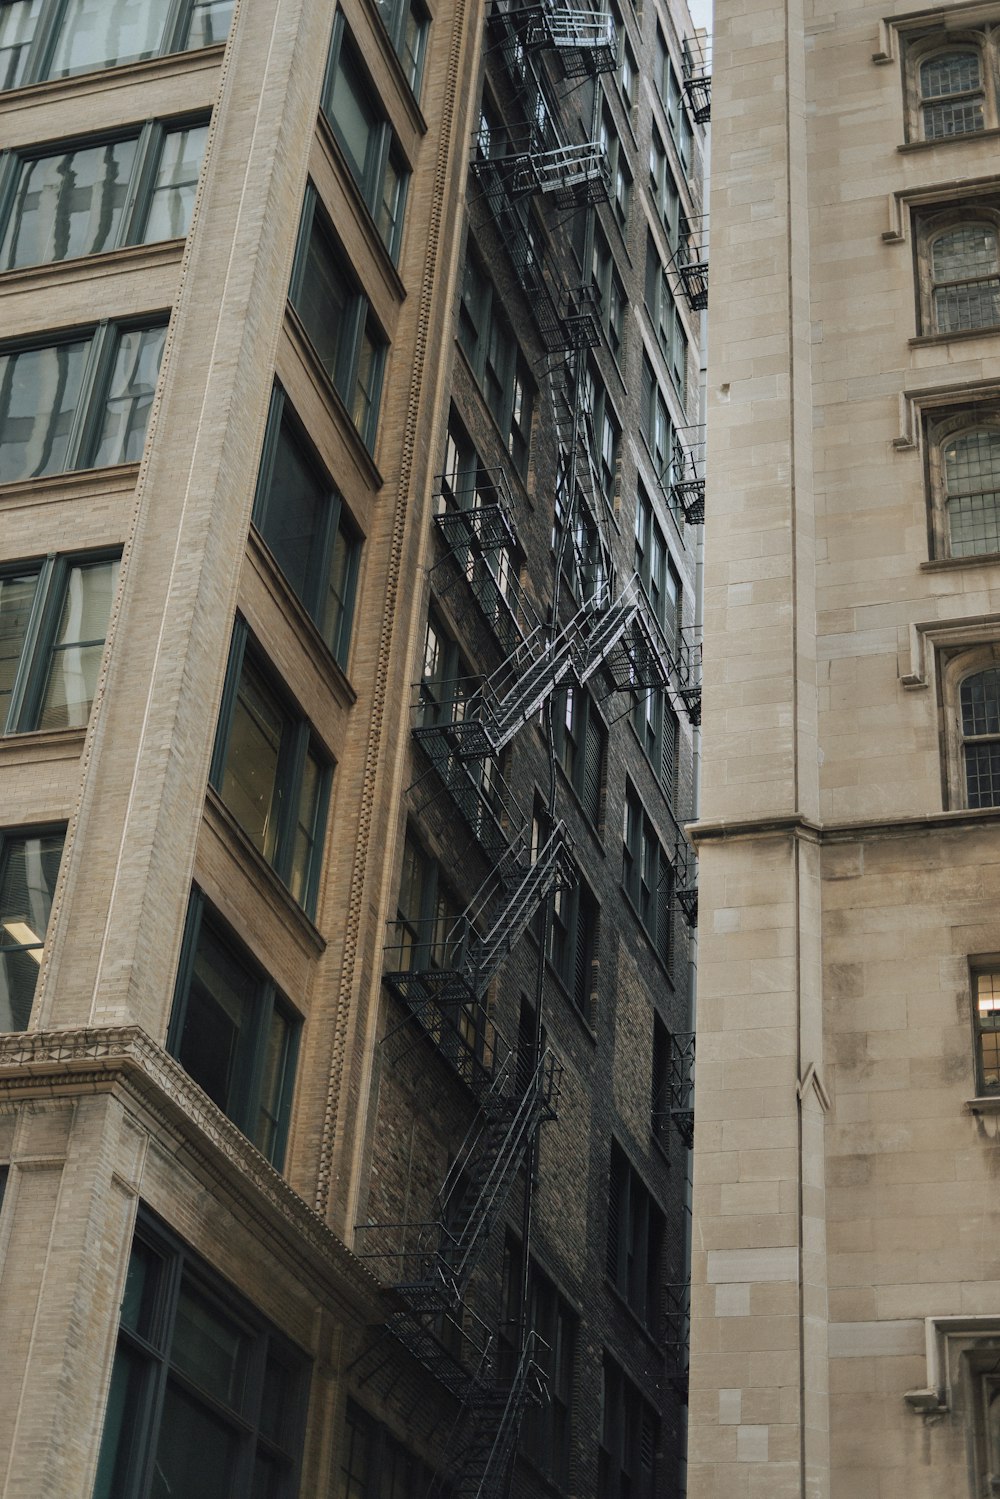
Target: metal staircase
x,y
493,1415
585,40
475,526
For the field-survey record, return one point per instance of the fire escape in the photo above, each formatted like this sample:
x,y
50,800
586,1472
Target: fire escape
x,y
690,261
697,75
684,481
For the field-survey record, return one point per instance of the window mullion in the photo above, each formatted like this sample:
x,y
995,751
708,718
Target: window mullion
x,y
291,765
234,672
22,676
42,625
140,184
174,32
85,420
42,42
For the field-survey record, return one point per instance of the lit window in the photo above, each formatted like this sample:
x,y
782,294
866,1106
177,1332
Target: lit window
x,y
366,138
338,320
57,38
270,773
300,514
53,622
29,867
951,93
986,991
979,709
232,1031
80,403
207,1399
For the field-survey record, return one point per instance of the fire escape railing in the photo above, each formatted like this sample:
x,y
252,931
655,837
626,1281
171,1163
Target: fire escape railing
x,y
680,1090
493,1417
677,1334
684,481
696,75
585,40
681,874
689,261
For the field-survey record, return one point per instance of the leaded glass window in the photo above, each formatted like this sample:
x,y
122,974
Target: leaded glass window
x,y
951,93
979,703
965,272
987,1018
971,464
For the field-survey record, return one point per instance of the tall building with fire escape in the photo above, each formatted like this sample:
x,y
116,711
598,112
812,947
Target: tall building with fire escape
x,y
352,483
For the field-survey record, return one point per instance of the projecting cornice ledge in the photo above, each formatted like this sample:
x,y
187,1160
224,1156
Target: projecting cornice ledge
x,y
124,1060
804,829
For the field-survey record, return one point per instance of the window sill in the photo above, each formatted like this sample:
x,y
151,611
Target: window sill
x,y
89,267
271,886
105,80
41,744
121,477
955,564
961,335
988,1103
992,134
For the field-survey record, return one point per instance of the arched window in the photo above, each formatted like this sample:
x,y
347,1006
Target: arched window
x,y
965,278
951,93
979,706
970,463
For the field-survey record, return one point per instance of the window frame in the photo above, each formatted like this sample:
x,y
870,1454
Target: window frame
x,y
383,1452
630,1426
103,341
21,835
383,150
267,1000
487,339
930,223
940,429
290,767
647,875
181,1271
41,48
394,15
337,521
985,967
31,674
150,139
922,49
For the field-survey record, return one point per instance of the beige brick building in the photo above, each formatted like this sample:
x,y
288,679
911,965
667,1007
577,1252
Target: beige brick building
x,y
350,492
846,1293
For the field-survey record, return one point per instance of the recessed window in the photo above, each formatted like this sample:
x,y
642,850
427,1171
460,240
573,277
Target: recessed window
x,y
580,742
338,319
986,1021
270,772
374,1464
664,315
665,193
446,683
572,942
951,93
300,514
630,1436
53,622
963,456
657,573
965,278
82,199
654,419
57,38
82,402
207,1399
407,23
29,867
426,914
234,1033
979,720
547,1430
646,874
635,1240
371,150
488,342
609,289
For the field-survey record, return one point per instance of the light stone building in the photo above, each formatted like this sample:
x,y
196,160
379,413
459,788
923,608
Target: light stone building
x,y
846,1276
350,507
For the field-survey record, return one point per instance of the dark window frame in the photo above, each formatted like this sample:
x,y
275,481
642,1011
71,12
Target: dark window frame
x,y
629,1438
10,837
295,748
396,16
487,339
647,877
40,50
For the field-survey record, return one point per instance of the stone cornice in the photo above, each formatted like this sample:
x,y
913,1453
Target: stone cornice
x,y
723,830
125,1061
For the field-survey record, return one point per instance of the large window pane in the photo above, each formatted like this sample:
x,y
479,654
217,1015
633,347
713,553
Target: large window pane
x,y
196,1455
219,1009
39,394
210,1349
101,33
78,647
292,520
27,883
172,200
17,594
250,783
354,115
68,204
323,301
130,396
18,21
210,22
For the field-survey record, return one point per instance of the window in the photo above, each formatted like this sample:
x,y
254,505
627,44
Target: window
x,y
951,93
445,684
29,867
628,68
407,23
492,569
56,38
207,1399
235,1035
366,137
646,874
572,943
666,197
270,773
672,98
85,198
338,320
576,539
630,1436
80,403
621,177
664,315
959,271
654,419
609,290
376,1465
546,1430
986,1021
300,514
635,1241
657,573
488,343
53,622
603,432
426,912
979,723
965,483
659,1112
580,741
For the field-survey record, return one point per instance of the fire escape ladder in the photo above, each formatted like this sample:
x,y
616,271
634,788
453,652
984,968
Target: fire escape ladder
x,y
477,790
494,1414
685,487
690,261
551,869
483,1173
681,1085
677,1335
696,75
